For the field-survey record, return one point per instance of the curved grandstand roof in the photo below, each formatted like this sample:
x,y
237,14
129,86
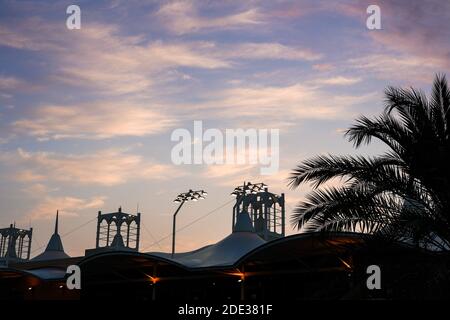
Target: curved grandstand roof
x,y
49,273
224,253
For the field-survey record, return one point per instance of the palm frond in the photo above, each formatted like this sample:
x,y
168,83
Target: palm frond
x,y
321,169
403,194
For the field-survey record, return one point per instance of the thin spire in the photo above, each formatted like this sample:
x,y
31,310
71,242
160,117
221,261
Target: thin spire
x,y
54,249
56,222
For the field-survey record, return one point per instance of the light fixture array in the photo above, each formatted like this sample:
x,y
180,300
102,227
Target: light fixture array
x,y
248,188
191,196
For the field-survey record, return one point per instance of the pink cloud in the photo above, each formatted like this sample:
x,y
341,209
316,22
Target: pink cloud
x,y
67,206
416,31
106,167
93,121
181,17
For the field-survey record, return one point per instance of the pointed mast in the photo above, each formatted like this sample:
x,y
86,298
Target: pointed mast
x,y
56,222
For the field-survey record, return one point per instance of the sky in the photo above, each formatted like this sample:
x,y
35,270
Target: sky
x,y
86,115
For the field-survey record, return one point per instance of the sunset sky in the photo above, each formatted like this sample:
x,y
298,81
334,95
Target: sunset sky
x,y
86,115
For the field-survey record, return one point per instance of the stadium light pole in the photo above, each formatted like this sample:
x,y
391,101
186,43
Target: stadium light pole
x,y
181,199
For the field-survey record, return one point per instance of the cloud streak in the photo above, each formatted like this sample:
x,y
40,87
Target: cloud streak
x,y
102,59
67,206
267,51
414,39
9,82
182,17
282,105
337,81
397,66
105,168
93,121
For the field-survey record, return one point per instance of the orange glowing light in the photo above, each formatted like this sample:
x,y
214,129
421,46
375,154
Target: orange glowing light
x,y
152,278
346,264
239,274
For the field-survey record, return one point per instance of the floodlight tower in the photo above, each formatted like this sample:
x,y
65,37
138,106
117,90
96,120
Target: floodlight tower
x,y
181,199
266,209
15,243
111,235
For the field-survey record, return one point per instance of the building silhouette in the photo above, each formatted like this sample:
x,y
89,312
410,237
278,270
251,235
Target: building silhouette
x,y
54,249
256,261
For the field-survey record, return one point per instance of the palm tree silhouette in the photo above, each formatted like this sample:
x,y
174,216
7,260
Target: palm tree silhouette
x,y
403,194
